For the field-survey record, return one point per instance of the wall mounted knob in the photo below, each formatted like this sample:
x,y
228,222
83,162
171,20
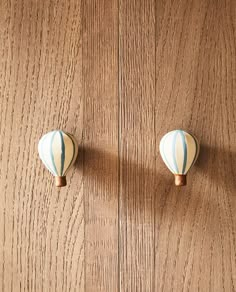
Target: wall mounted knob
x,y
58,151
179,151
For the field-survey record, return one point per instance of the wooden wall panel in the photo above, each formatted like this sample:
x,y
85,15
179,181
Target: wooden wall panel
x,y
138,147
100,89
195,90
117,74
41,227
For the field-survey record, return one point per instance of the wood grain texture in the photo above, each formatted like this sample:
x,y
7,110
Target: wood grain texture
x,y
195,87
138,145
118,75
100,142
41,230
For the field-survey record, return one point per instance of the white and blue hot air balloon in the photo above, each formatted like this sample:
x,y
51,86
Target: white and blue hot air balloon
x,y
179,151
58,150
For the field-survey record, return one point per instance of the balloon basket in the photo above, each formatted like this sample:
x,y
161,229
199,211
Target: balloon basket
x,y
180,180
60,181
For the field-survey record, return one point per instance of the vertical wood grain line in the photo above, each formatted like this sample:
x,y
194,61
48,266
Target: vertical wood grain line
x,y
100,88
138,146
119,141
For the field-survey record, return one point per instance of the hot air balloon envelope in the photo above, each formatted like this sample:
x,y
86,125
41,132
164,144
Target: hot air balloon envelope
x,y
58,151
179,151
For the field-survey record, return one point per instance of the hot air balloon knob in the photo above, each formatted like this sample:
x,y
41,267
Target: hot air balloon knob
x,y
179,151
58,151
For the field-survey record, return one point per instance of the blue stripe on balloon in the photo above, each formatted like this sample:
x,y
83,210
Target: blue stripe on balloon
x,y
185,150
173,152
51,153
73,149
41,153
163,152
62,152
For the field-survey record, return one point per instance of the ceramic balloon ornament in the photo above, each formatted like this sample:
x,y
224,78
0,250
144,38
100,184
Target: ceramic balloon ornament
x,y
179,151
58,151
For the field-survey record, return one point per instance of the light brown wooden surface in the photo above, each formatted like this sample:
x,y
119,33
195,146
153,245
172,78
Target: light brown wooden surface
x,y
100,144
41,227
118,75
138,145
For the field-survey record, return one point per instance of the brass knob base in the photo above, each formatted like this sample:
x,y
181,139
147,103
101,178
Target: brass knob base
x,y
180,180
60,181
